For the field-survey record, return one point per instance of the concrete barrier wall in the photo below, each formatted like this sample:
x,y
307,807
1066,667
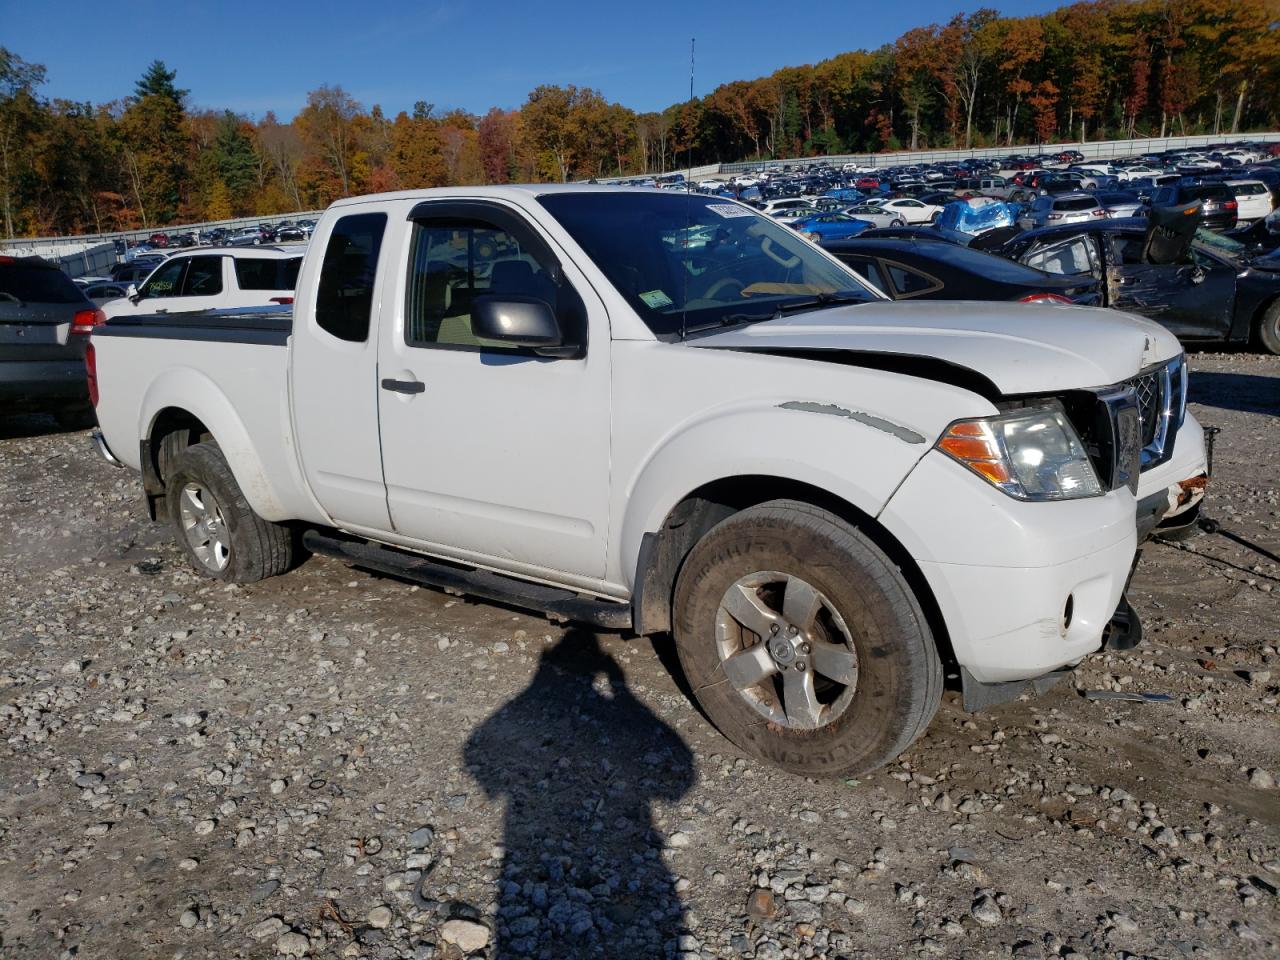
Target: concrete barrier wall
x,y
76,259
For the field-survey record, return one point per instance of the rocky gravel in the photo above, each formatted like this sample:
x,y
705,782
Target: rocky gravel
x,y
335,764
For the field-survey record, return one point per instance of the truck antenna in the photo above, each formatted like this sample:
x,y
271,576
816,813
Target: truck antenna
x,y
688,212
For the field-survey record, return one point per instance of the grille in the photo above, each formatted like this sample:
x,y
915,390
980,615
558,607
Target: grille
x,y
1148,387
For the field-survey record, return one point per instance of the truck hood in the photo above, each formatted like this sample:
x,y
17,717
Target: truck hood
x,y
1020,348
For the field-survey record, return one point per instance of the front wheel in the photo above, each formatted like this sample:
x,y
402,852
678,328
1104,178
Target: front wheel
x,y
804,643
897,222
217,529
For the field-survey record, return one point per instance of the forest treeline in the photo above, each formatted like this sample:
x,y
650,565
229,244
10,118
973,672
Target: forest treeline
x,y
1088,71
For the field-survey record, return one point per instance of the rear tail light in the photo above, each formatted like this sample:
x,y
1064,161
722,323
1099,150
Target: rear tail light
x,y
86,320
283,300
91,373
1099,213
1229,205
1046,298
1054,216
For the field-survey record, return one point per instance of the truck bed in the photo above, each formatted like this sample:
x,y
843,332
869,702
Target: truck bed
x,y
228,368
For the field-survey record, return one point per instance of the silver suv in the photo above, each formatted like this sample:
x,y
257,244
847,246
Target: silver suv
x,y
1050,211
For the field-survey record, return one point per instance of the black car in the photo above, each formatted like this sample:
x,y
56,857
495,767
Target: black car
x,y
1218,203
45,321
906,268
1201,285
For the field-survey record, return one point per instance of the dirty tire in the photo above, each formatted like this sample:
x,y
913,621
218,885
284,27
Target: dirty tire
x,y
1269,328
899,682
257,549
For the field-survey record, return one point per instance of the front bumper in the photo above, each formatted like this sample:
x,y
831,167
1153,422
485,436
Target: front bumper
x,y
1024,588
1177,485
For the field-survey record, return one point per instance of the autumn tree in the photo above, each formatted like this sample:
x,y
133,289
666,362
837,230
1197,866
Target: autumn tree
x,y
153,145
327,128
20,120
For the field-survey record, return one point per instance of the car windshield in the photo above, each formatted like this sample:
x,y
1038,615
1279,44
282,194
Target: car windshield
x,y
686,262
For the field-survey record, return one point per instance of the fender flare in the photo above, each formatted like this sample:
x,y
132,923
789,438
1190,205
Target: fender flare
x,y
767,440
189,390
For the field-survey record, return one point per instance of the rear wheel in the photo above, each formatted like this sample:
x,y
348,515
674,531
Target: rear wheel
x,y
1269,328
216,527
897,222
803,642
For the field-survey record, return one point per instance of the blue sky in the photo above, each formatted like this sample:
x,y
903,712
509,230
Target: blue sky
x,y
255,57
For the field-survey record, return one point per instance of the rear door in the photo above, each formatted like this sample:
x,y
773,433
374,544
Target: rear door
x,y
333,371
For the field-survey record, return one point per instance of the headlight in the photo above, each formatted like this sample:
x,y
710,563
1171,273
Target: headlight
x,y
1032,454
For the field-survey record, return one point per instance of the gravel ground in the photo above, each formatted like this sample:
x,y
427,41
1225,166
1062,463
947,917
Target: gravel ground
x,y
334,764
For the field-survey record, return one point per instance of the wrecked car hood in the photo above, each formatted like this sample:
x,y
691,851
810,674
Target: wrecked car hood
x,y
1020,348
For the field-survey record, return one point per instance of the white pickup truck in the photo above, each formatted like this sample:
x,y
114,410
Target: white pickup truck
x,y
660,411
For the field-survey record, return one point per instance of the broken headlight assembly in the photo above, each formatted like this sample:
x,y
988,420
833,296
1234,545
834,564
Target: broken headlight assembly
x,y
1030,454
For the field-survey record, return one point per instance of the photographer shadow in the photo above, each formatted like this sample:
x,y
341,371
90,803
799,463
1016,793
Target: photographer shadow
x,y
579,762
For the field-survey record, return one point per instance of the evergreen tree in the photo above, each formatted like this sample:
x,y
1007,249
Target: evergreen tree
x,y
158,82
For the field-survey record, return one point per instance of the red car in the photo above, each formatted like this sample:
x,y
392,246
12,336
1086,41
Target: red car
x,y
868,183
158,239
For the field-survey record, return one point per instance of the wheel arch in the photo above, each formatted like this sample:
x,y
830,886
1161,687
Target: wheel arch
x,y
186,400
662,552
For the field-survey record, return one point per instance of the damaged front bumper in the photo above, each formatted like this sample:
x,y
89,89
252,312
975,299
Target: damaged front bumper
x,y
1123,632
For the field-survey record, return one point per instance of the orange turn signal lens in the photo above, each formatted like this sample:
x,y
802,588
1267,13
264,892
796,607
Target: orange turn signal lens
x,y
973,444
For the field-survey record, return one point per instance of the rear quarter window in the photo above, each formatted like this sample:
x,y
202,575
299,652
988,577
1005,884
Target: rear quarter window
x,y
344,299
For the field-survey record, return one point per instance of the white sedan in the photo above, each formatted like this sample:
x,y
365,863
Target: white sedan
x,y
876,215
909,209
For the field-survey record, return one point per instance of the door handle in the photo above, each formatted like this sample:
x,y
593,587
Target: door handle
x,y
162,309
404,386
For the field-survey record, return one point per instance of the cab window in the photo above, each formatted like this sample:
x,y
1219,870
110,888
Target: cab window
x,y
452,261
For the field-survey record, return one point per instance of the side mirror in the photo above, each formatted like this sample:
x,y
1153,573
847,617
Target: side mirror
x,y
519,321
132,293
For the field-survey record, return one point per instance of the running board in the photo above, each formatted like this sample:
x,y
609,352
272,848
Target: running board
x,y
555,603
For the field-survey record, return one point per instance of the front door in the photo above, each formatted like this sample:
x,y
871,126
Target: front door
x,y
1188,299
493,453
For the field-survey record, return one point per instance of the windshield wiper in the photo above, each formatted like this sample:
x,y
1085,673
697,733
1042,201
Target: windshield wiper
x,y
818,302
732,319
9,296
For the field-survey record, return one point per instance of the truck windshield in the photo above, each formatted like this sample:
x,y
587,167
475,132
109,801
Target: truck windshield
x,y
687,262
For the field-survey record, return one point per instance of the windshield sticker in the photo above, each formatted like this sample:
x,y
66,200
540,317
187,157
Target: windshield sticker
x,y
655,299
730,210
